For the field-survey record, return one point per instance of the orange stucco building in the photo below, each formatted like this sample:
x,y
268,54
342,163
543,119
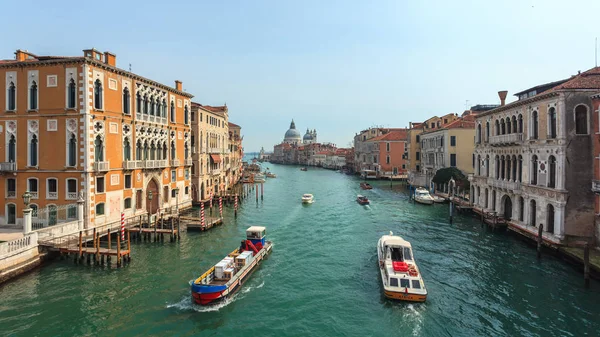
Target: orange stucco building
x,y
81,128
391,148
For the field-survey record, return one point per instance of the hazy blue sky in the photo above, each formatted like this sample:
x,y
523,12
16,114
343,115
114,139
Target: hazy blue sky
x,y
337,66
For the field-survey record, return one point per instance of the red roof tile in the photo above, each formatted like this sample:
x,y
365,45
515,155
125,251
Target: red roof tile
x,y
460,124
391,136
234,125
221,108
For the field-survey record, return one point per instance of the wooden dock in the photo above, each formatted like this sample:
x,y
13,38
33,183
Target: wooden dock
x,y
491,218
195,224
97,253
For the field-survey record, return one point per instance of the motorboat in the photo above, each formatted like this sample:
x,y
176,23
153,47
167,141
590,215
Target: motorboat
x,y
271,175
368,174
422,196
361,199
438,199
259,178
366,186
303,169
399,272
226,277
307,198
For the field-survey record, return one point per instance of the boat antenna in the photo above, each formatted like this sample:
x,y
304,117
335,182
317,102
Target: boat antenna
x,y
391,233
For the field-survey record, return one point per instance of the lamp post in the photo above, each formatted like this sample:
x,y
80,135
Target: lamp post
x,y
26,213
150,196
176,189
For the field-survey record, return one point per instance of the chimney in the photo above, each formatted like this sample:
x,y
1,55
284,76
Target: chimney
x,y
20,55
178,85
110,59
502,95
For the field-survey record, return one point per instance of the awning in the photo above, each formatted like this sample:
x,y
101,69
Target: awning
x,y
216,158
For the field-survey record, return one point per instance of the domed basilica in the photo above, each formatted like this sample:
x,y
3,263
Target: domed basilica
x,y
292,136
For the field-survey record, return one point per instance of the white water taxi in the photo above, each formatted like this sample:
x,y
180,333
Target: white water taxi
x,y
308,198
438,199
259,178
422,196
399,272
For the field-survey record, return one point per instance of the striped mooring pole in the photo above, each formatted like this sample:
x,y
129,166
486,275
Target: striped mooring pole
x,y
221,207
235,207
122,226
202,214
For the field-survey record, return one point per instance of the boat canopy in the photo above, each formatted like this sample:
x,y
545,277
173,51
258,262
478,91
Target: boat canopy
x,y
395,241
256,232
307,195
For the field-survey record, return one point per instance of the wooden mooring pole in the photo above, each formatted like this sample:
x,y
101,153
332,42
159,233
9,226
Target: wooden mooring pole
x,y
586,265
451,210
118,250
261,191
539,241
109,246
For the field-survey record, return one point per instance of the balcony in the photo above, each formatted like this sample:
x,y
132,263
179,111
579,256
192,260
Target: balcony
x,y
11,194
174,162
71,195
8,167
130,164
215,172
214,150
101,166
34,195
505,184
596,186
52,195
162,163
511,138
187,162
150,164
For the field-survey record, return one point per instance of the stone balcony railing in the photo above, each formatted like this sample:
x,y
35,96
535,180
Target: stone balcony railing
x,y
52,195
215,172
8,167
187,162
162,163
150,164
505,184
101,166
130,164
214,150
71,195
511,138
596,186
34,195
174,162
150,118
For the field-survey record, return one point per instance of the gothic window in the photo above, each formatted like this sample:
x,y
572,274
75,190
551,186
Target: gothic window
x,y
581,120
502,127
508,125
164,149
173,152
186,115
126,101
138,99
520,123
71,92
534,169
146,104
138,150
33,96
164,109
126,149
152,151
534,125
479,133
151,106
532,215
520,163
12,97
497,127
487,131
521,208
72,151
552,118
12,149
146,149
172,112
552,173
33,151
99,149
515,129
98,95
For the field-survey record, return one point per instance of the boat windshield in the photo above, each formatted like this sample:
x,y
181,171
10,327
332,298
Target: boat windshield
x,y
396,253
307,196
407,254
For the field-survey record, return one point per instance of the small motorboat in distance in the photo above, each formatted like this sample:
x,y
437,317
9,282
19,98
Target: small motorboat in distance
x,y
303,169
307,198
422,196
438,199
226,277
259,178
271,175
399,272
366,186
361,199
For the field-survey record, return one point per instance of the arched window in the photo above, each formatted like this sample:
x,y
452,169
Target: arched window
x,y
502,166
172,112
514,168
72,151
138,150
12,96
100,209
520,123
552,123
552,172
520,163
146,104
497,162
521,209
99,149
152,105
487,165
159,151
98,95
479,165
487,131
164,109
581,120
497,127
33,96
126,149
486,198
138,99
146,150
186,115
532,211
502,127
152,151
12,149
186,151
478,133
534,125
11,214
33,151
173,151
71,94
508,168
164,149
534,169
126,101
550,218
158,112
515,128
508,125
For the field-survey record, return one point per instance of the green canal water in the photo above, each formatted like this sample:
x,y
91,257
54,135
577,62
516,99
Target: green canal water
x,y
321,279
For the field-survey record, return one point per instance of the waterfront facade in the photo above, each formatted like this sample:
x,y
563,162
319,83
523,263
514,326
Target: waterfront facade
x,y
534,159
596,157
388,152
79,128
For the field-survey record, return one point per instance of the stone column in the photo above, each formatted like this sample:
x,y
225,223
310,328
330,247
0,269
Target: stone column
x,y
80,203
27,220
559,220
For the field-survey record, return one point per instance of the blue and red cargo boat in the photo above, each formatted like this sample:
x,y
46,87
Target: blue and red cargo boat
x,y
228,276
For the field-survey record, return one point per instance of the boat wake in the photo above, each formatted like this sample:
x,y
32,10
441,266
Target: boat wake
x,y
187,303
413,315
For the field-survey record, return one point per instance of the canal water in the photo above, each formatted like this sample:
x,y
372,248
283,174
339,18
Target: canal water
x,y
321,279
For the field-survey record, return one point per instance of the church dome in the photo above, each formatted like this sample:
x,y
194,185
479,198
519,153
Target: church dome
x,y
308,136
292,135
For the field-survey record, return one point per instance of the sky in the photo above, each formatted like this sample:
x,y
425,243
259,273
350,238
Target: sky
x,y
335,66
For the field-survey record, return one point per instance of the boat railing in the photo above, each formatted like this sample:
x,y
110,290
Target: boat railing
x,y
205,275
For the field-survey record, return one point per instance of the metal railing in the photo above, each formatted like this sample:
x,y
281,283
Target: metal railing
x,y
54,215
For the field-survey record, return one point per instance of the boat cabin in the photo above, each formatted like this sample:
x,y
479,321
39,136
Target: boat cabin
x,y
368,174
256,234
